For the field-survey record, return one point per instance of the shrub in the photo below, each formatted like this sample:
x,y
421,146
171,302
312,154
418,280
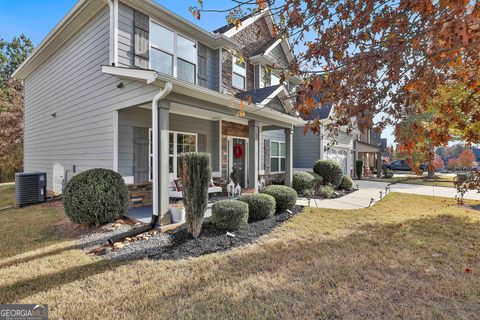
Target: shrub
x,y
302,181
230,214
317,181
326,191
359,169
347,183
284,196
196,173
330,171
260,206
95,196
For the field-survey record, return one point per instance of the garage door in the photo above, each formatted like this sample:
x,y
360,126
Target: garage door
x,y
339,156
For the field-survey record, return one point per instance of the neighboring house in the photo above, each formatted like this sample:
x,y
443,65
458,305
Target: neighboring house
x,y
309,147
368,147
128,85
476,152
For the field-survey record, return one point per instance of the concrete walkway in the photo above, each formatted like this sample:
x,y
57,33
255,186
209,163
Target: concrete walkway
x,y
371,189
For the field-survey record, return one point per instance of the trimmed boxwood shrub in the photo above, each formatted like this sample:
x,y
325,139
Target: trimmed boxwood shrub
x,y
302,181
347,183
230,214
284,196
95,196
260,206
330,171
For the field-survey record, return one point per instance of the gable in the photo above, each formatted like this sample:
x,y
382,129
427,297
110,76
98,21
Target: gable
x,y
253,37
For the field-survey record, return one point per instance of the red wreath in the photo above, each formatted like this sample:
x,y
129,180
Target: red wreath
x,y
238,150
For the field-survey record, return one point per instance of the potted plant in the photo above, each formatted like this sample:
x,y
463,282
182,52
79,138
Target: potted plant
x,y
177,210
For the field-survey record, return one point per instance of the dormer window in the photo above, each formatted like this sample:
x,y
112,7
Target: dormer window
x,y
173,54
239,75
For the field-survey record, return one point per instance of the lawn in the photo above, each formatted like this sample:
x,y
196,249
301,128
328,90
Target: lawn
x,y
440,181
7,195
406,257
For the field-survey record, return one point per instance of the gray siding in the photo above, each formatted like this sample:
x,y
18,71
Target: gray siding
x,y
306,148
343,140
71,85
140,117
125,35
279,56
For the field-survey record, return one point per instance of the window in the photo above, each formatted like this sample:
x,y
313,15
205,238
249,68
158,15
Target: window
x,y
178,143
186,59
162,43
277,156
239,73
173,54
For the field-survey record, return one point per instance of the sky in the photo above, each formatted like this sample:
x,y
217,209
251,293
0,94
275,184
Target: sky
x,y
36,18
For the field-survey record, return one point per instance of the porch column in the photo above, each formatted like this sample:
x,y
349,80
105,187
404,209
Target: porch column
x,y
163,176
253,144
288,157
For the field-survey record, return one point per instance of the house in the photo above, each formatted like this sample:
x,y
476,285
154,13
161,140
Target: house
x,y
128,85
309,147
368,147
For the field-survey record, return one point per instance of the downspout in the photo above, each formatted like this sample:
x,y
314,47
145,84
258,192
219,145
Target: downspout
x,y
113,52
155,214
159,96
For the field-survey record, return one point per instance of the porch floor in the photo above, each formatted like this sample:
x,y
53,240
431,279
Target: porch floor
x,y
144,214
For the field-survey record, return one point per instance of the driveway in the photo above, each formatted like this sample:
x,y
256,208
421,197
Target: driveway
x,y
371,190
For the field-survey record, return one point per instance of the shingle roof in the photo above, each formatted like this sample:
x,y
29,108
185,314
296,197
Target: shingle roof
x,y
322,112
257,95
229,26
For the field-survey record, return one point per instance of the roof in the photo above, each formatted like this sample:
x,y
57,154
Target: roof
x,y
321,113
257,95
229,26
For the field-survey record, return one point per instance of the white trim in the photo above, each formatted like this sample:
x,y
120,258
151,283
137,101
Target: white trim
x,y
220,140
115,140
111,49
272,47
148,75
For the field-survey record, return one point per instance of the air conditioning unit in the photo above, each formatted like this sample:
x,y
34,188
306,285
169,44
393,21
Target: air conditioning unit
x,y
30,188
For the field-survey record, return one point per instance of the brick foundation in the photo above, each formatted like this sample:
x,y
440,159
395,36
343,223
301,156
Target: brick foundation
x,y
140,194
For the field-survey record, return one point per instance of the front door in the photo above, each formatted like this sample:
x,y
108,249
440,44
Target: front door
x,y
238,155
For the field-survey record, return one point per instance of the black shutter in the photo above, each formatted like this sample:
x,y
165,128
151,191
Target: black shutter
x,y
267,160
141,37
202,142
202,65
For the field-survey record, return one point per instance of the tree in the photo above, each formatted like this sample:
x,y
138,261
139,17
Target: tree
x,y
466,159
12,54
453,164
438,162
384,60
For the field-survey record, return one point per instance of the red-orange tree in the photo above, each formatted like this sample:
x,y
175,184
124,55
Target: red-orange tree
x,y
386,58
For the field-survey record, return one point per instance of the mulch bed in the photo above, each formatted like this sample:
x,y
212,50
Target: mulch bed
x,y
178,244
213,239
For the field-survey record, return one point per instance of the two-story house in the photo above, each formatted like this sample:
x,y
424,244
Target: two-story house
x,y
368,147
308,147
128,85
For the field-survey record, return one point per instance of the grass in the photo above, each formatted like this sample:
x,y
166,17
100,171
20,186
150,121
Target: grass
x,y
405,257
440,181
7,195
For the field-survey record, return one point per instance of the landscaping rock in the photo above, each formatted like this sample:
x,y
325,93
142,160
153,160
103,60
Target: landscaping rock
x,y
118,245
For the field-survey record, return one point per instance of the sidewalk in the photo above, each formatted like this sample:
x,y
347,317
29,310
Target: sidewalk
x,y
371,189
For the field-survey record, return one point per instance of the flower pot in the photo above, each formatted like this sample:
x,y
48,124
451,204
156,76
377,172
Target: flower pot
x,y
178,215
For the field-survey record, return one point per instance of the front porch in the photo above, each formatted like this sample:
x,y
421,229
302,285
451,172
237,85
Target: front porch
x,y
266,151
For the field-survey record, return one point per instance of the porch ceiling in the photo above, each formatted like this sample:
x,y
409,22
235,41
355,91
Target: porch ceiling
x,y
365,147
